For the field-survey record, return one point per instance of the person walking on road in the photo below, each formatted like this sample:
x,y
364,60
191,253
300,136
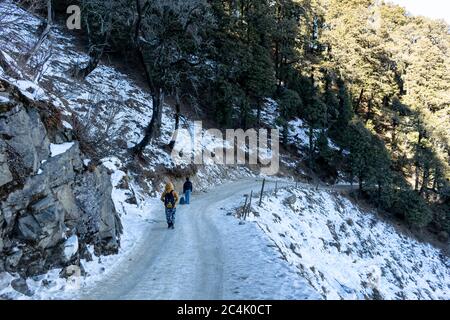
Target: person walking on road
x,y
170,199
187,190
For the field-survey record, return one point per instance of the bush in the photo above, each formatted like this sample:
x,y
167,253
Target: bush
x,y
412,207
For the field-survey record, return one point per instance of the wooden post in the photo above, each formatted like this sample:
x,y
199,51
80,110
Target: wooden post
x,y
245,206
249,206
276,187
262,192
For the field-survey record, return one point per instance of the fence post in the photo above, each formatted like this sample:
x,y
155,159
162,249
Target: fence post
x,y
245,206
276,188
262,191
249,206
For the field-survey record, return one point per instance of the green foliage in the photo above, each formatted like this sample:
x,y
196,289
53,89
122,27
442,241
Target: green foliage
x,y
412,207
289,104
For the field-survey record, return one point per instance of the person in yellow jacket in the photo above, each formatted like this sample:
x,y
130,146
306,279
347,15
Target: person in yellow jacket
x,y
170,199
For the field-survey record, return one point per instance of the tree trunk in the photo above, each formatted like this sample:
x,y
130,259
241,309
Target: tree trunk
x,y
44,33
358,104
417,182
137,27
140,12
152,128
425,179
177,122
394,135
385,102
417,164
96,52
94,59
435,179
277,66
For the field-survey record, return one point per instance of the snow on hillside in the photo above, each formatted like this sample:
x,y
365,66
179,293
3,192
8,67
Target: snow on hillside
x,y
298,130
108,102
345,253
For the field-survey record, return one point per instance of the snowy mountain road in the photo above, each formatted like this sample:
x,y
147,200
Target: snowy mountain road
x,y
186,263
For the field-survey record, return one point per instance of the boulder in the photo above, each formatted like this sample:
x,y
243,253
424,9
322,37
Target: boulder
x,y
26,135
20,285
12,261
66,198
5,280
290,201
48,227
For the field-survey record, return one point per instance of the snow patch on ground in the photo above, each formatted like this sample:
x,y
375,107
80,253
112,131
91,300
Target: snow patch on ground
x,y
67,125
71,247
57,149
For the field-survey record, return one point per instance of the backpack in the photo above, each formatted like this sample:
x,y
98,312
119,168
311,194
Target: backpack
x,y
169,200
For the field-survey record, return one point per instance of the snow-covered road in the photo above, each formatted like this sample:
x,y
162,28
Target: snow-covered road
x,y
208,256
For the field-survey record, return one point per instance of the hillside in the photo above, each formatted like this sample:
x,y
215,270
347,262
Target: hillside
x,y
94,123
345,252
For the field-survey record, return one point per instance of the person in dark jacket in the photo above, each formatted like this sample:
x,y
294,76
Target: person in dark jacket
x,y
187,190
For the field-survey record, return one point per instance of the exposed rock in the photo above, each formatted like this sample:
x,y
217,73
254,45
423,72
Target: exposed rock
x,y
5,174
70,271
84,252
93,193
66,198
12,260
20,285
5,280
27,135
290,201
44,200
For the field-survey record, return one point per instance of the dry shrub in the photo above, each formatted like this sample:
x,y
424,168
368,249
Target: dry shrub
x,y
182,172
87,146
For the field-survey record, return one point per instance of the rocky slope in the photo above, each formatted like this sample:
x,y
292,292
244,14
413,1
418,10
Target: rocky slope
x,y
50,198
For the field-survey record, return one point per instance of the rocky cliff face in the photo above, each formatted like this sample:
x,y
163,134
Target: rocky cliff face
x,y
52,204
